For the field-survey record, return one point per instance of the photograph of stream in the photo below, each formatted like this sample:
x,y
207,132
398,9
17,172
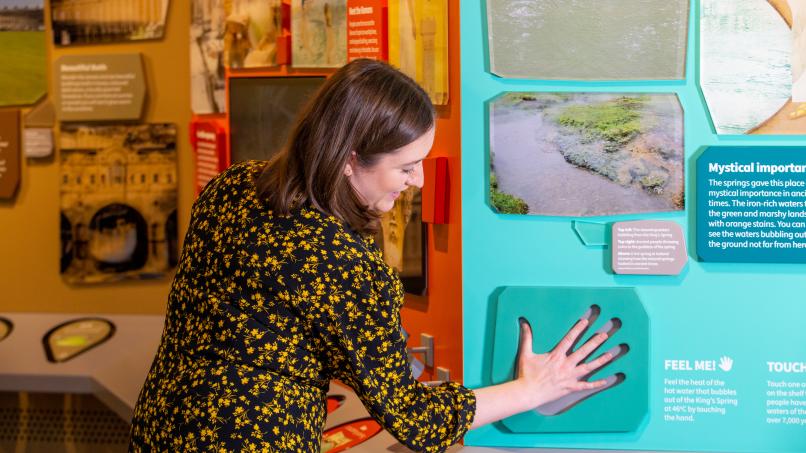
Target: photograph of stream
x,y
586,154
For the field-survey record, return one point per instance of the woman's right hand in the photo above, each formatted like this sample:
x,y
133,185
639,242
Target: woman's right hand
x,y
542,378
549,376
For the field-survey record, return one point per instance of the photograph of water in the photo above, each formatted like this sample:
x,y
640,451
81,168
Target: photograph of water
x,y
588,40
586,154
745,64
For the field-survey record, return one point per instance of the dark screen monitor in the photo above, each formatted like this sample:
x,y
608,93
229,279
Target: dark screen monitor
x,y
262,112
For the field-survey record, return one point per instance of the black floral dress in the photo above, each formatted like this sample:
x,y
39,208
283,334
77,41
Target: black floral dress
x,y
264,310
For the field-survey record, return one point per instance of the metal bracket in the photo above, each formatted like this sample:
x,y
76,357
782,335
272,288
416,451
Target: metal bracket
x,y
443,374
426,348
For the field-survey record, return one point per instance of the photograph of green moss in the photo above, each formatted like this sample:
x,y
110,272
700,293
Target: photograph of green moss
x,y
586,154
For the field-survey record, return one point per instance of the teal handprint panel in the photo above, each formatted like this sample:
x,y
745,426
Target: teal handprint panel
x,y
551,312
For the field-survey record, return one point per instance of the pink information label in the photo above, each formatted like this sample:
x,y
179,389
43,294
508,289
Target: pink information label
x,y
648,247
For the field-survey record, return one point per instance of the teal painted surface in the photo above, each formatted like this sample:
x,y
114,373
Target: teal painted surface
x,y
551,312
753,313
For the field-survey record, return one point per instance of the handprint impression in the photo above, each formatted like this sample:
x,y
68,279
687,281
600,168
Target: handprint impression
x,y
566,402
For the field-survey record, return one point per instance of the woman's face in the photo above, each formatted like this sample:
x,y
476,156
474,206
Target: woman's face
x,y
380,184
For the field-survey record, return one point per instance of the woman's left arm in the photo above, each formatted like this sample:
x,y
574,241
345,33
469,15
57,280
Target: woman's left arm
x,y
368,352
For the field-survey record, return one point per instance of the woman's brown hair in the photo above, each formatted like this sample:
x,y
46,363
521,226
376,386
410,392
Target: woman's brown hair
x,y
368,107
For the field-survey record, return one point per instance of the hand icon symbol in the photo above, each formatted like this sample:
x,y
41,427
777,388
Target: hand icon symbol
x,y
725,363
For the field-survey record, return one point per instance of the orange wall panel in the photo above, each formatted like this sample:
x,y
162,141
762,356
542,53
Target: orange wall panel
x,y
439,313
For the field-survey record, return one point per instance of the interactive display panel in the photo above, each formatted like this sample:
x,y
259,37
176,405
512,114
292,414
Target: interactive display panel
x,y
724,366
551,312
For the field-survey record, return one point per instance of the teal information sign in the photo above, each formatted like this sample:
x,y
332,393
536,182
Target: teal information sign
x,y
751,204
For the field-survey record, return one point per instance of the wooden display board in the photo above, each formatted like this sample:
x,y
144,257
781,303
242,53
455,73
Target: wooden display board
x,y
9,152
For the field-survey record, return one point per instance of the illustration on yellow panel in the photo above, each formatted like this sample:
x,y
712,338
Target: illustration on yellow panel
x,y
418,43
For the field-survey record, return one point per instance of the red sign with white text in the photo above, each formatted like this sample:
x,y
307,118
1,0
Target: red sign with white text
x,y
209,142
367,26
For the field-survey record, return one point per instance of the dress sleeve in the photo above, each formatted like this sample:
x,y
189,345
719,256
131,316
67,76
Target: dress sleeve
x,y
367,351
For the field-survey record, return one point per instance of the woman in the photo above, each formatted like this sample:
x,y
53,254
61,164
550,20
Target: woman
x,y
280,289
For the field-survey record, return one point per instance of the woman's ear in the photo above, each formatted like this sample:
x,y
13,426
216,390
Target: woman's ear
x,y
349,167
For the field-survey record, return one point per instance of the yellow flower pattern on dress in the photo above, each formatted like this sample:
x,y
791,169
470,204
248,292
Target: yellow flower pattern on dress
x,y
264,310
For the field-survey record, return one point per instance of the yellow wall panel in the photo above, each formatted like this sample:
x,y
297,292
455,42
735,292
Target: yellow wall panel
x,y
29,225
418,43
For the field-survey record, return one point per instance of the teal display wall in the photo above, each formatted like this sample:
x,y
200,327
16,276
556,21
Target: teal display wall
x,y
727,343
